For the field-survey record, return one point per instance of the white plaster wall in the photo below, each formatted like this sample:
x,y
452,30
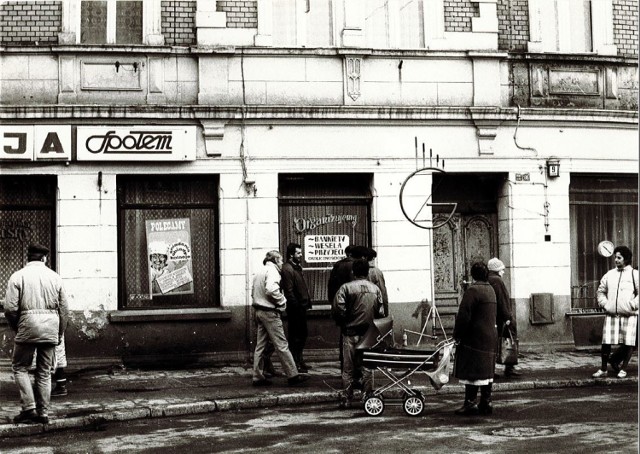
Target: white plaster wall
x,y
248,229
28,79
539,266
87,240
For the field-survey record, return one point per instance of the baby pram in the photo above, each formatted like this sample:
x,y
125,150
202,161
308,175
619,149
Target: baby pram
x,y
379,353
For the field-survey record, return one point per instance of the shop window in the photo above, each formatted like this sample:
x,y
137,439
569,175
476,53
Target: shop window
x,y
168,237
27,209
111,22
324,214
601,208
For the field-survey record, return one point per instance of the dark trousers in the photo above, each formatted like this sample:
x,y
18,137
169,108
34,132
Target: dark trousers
x,y
297,333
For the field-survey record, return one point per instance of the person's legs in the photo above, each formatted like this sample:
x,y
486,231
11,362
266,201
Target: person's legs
x,y
304,333
469,407
273,325
604,357
60,380
269,368
258,355
485,406
348,367
20,364
626,355
44,365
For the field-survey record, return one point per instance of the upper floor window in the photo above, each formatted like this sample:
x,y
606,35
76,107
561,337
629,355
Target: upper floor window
x,y
111,22
571,26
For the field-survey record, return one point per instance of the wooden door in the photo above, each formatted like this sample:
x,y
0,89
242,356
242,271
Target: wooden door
x,y
463,240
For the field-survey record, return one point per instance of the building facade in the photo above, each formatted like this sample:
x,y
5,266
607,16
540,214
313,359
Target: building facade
x,y
162,147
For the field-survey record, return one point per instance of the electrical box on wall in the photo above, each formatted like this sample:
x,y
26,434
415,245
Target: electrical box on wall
x,y
541,309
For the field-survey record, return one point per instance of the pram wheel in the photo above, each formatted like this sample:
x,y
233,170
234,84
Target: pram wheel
x,y
373,406
413,405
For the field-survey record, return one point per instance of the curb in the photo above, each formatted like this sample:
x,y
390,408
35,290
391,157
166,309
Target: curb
x,y
98,420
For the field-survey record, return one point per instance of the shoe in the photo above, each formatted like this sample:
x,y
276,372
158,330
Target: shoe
x,y
305,365
512,373
622,374
263,382
468,409
297,380
600,373
59,391
615,366
26,417
302,369
270,372
41,419
485,408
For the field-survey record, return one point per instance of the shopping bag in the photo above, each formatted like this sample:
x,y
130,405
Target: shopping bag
x,y
440,376
507,349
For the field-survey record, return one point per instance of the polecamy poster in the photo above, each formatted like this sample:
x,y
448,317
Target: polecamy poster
x,y
169,253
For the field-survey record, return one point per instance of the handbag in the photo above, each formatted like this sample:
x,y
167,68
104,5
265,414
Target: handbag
x,y
507,349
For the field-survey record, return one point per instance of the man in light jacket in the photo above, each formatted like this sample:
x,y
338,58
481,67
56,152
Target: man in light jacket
x,y
36,309
268,304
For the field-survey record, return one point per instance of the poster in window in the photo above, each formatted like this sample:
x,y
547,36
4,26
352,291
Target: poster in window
x,y
325,248
169,252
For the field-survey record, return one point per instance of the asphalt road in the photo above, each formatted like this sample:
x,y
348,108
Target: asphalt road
x,y
569,420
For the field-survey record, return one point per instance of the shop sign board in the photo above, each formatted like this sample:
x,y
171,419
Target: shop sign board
x,y
324,248
170,259
35,143
136,143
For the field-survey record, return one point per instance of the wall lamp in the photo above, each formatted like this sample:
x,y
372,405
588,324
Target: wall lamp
x,y
553,168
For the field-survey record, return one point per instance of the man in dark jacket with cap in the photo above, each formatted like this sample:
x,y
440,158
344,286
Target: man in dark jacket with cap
x,y
296,292
37,310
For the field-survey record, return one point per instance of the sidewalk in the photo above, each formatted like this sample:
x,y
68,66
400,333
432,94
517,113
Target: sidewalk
x,y
98,396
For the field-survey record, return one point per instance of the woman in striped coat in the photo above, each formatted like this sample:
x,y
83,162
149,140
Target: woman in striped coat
x,y
618,296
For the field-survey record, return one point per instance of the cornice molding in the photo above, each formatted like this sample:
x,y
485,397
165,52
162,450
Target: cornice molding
x,y
21,113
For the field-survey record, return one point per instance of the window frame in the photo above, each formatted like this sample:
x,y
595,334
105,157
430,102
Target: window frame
x,y
213,302
151,23
543,11
322,191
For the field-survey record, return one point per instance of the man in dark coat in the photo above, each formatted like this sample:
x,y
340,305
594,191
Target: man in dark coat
x,y
476,337
341,274
354,307
505,317
295,290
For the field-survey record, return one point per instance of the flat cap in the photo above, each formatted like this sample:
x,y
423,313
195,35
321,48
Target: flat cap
x,y
37,249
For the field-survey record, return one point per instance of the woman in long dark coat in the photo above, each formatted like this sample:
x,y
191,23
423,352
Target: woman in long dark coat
x,y
476,335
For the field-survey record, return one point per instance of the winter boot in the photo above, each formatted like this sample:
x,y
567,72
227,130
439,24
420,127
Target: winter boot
x,y
485,407
469,407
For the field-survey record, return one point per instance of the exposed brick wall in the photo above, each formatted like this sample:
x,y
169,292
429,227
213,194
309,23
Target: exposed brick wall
x,y
625,27
240,14
178,22
30,23
458,14
513,25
